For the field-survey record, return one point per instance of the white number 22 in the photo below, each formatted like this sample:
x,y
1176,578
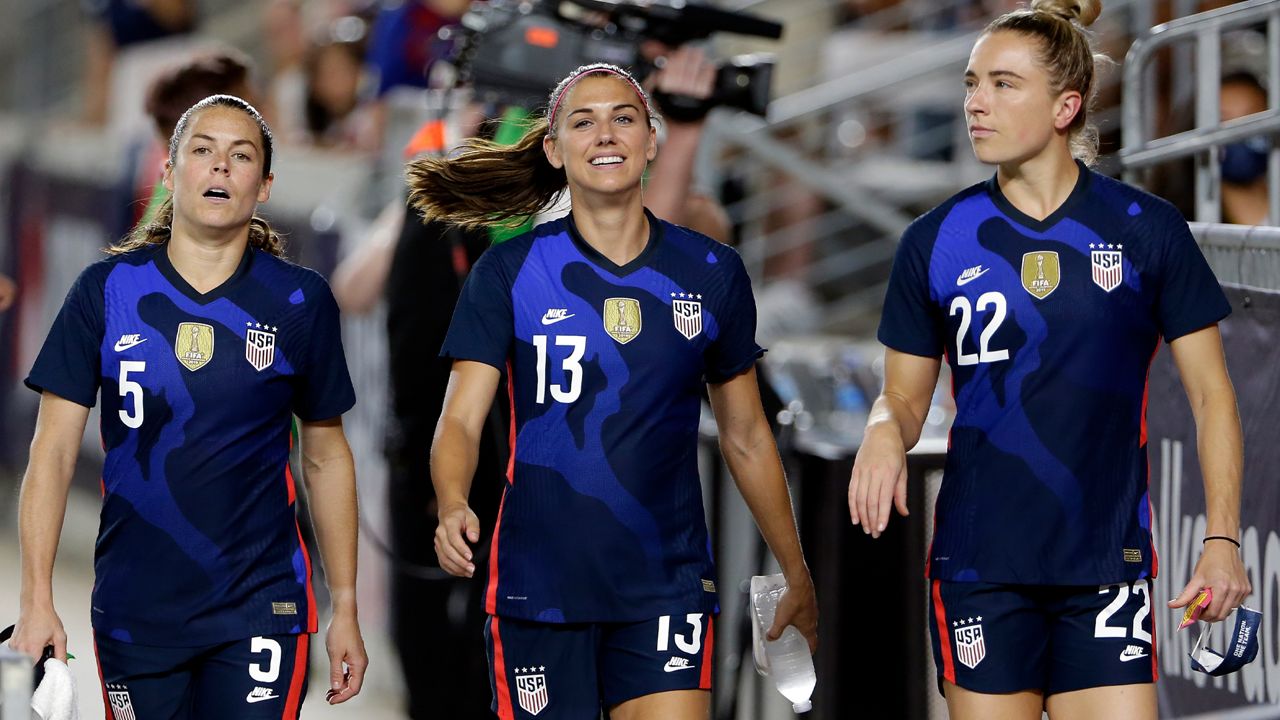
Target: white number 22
x,y
985,354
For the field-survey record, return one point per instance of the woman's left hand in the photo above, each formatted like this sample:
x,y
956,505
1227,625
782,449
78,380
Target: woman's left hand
x,y
346,647
799,607
1221,569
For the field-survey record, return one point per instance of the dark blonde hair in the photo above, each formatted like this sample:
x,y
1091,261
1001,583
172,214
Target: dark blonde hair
x,y
1067,54
160,229
484,183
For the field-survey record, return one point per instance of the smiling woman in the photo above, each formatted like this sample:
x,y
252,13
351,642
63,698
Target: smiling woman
x,y
202,345
608,323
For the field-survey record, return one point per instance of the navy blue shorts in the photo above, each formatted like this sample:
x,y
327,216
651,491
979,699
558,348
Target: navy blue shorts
x,y
571,671
992,638
251,679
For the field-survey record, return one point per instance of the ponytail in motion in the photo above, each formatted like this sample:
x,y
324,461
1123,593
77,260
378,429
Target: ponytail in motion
x,y
484,183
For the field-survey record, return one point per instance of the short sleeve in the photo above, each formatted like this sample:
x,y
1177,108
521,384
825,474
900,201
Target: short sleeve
x,y
70,361
1190,296
734,349
325,389
483,325
909,321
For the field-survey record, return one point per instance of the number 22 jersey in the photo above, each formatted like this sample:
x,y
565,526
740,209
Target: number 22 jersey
x,y
1049,327
198,542
601,519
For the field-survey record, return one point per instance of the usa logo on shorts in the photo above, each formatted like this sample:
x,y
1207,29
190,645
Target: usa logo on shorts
x,y
120,702
970,647
531,689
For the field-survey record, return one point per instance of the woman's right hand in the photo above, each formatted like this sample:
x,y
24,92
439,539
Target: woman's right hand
x,y
879,478
458,530
36,629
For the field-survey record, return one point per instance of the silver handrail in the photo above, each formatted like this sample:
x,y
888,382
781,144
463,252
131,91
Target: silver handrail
x,y
1210,133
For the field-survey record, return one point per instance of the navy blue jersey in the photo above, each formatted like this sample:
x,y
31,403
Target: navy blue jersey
x,y
198,542
602,519
1049,328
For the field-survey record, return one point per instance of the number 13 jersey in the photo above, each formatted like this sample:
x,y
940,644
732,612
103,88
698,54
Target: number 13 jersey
x,y
1049,327
601,519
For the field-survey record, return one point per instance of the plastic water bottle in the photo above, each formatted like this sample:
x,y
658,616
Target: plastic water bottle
x,y
787,659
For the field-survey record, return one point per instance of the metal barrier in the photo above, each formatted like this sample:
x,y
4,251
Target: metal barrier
x,y
1243,255
1142,150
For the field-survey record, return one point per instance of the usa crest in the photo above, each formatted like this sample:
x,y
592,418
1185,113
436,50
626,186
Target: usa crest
x,y
622,319
970,646
687,314
1108,265
1041,273
120,702
260,345
531,689
194,345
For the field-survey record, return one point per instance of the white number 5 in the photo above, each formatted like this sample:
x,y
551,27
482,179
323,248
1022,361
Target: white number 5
x,y
130,388
272,672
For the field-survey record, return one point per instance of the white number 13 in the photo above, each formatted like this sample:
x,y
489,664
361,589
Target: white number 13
x,y
572,368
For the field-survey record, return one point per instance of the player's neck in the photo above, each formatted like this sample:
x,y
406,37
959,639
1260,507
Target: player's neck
x,y
1040,185
618,231
203,263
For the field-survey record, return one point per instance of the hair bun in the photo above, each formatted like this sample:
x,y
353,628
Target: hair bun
x,y
1081,11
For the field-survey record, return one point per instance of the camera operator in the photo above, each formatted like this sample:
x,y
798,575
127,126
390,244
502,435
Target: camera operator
x,y
684,80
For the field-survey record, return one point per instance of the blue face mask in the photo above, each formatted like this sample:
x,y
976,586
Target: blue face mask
x,y
1243,649
1245,161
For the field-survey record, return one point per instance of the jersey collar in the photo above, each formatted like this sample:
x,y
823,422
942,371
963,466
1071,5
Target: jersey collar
x,y
161,258
597,258
1077,194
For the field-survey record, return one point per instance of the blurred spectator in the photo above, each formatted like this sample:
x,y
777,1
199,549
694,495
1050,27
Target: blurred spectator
x,y
405,42
225,72
336,82
681,87
1244,163
8,292
119,24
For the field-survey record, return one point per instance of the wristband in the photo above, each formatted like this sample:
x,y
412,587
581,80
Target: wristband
x,y
681,108
1231,540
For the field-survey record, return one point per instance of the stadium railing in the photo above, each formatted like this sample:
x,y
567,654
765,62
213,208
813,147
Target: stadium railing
x,y
1143,149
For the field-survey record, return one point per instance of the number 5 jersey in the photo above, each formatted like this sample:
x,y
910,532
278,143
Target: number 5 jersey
x,y
601,519
198,542
1049,327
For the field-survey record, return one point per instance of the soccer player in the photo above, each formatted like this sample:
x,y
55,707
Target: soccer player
x,y
204,343
608,323
1048,289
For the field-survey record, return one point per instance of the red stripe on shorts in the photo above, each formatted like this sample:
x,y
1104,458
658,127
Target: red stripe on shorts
x,y
106,703
944,638
708,652
293,701
505,711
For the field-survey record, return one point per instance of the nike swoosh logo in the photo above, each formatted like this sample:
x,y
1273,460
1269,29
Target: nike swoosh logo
x,y
121,346
971,278
251,698
554,320
668,668
1127,658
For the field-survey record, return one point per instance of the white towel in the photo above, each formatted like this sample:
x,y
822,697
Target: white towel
x,y
55,699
